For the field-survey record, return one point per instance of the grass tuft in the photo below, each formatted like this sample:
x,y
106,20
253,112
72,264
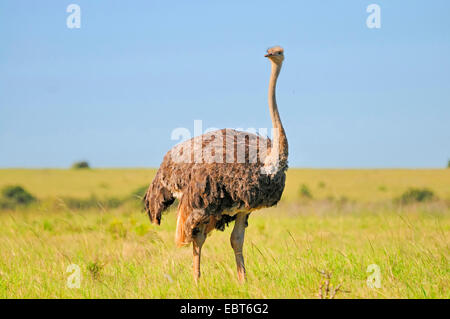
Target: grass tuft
x,y
305,192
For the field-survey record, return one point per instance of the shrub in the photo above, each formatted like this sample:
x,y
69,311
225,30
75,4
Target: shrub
x,y
305,192
15,195
416,195
80,165
448,164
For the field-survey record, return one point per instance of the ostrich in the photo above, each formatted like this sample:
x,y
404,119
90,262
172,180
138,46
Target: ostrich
x,y
222,176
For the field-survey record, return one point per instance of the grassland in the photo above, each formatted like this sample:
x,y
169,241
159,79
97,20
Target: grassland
x,y
349,222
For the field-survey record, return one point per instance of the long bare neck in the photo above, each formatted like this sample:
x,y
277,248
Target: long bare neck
x,y
280,143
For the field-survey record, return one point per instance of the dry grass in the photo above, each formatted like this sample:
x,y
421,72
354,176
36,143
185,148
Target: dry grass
x,y
121,255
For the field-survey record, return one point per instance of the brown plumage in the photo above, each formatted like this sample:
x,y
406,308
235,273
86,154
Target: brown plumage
x,y
222,176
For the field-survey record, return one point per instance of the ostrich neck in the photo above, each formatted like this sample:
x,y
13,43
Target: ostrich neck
x,y
279,152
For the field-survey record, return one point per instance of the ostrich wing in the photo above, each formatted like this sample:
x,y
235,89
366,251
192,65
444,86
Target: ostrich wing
x,y
222,146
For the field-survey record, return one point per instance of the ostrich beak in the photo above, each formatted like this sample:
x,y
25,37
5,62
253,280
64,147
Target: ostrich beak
x,y
268,55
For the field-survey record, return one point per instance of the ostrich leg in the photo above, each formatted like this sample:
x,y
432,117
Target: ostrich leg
x,y
237,241
197,244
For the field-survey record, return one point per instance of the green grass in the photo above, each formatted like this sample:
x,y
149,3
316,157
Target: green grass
x,y
120,254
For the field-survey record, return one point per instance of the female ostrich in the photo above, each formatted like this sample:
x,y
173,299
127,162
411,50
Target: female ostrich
x,y
222,176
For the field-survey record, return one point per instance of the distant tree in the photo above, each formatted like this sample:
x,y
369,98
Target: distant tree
x,y
80,165
448,164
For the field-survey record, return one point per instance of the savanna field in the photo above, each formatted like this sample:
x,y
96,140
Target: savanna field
x,y
330,225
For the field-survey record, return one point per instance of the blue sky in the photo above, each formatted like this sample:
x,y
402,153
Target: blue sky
x,y
112,91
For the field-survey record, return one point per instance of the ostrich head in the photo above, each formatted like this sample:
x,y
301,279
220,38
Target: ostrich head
x,y
275,54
